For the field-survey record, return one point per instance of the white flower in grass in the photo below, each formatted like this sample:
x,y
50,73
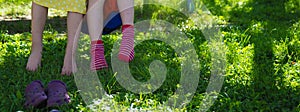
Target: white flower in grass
x,y
150,101
106,108
169,109
92,107
97,102
137,100
109,96
131,106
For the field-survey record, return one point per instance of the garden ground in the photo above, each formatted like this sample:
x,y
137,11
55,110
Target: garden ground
x,y
262,41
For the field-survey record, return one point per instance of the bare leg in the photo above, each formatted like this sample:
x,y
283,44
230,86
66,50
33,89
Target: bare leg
x,y
95,19
39,16
126,8
74,22
95,26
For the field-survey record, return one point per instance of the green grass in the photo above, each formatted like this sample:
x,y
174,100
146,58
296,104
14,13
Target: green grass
x,y
262,41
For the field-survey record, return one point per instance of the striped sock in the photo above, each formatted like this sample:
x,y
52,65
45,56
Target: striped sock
x,y
127,45
97,55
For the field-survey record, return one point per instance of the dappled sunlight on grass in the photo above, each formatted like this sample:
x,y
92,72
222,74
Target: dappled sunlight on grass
x,y
12,11
262,50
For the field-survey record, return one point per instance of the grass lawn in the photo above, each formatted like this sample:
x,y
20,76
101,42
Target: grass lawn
x,y
262,39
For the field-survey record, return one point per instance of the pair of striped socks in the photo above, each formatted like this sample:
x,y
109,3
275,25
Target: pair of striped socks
x,y
126,52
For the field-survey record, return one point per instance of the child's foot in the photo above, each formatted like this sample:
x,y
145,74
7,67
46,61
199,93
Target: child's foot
x,y
69,65
34,61
127,45
97,55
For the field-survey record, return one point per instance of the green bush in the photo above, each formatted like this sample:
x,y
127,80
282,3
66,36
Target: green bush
x,y
15,1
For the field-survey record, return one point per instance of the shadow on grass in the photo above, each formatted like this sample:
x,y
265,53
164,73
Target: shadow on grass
x,y
265,22
58,24
16,50
272,95
14,77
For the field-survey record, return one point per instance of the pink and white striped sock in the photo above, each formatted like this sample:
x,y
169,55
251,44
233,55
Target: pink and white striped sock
x,y
97,55
127,44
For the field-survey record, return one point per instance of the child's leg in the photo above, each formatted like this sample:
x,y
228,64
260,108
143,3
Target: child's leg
x,y
126,8
39,16
95,26
74,21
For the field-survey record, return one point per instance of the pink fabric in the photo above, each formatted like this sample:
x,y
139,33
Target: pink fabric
x,y
97,56
127,45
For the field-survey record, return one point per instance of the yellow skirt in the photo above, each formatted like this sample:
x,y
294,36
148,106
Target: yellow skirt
x,y
66,5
